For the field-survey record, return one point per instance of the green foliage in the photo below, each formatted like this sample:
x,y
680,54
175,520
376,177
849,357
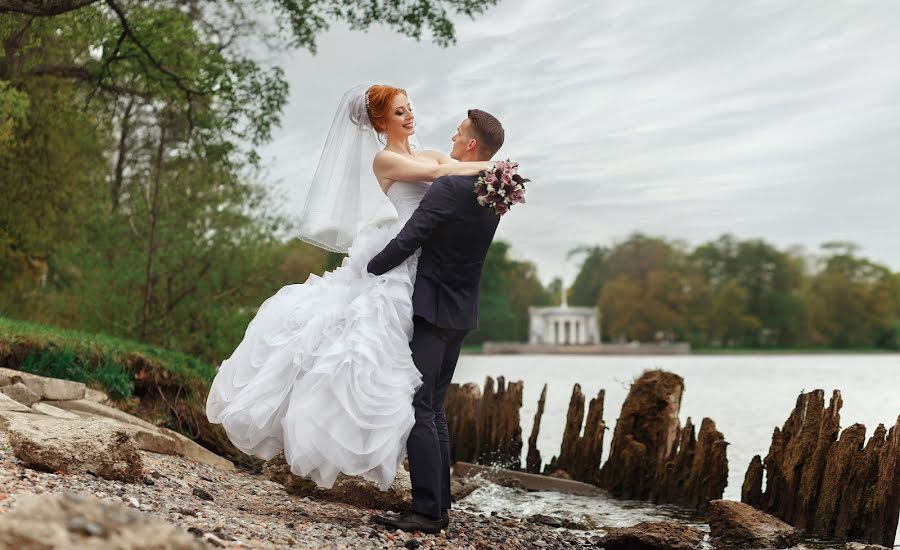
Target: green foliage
x,y
746,294
508,288
61,363
130,198
97,348
13,111
304,20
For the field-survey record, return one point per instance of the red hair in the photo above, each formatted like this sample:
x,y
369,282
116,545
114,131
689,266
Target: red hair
x,y
378,104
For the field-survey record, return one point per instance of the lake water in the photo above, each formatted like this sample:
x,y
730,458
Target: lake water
x,y
746,395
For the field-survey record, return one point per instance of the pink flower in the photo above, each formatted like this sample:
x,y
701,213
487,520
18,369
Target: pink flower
x,y
501,187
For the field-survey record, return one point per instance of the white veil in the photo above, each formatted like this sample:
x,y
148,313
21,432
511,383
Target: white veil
x,y
344,194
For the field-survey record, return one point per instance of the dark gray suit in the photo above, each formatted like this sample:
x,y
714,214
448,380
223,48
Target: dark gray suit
x,y
454,233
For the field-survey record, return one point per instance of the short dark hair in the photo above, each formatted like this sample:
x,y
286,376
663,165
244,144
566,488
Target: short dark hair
x,y
488,131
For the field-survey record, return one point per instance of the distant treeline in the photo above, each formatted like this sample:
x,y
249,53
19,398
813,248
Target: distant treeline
x,y
740,293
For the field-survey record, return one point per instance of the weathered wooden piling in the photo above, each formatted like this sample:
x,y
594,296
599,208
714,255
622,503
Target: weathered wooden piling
x,y
484,427
646,433
697,472
499,429
533,458
462,406
580,455
653,458
830,483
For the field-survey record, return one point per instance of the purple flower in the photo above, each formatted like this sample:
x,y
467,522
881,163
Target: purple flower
x,y
500,187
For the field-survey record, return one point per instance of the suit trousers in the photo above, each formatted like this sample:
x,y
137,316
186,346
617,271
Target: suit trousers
x,y
435,352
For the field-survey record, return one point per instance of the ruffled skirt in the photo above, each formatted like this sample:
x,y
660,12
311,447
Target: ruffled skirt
x,y
325,372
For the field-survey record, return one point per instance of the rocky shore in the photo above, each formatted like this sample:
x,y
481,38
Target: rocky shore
x,y
76,472
238,510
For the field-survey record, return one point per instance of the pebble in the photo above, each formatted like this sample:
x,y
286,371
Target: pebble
x,y
248,511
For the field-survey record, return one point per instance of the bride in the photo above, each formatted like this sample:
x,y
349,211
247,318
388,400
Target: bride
x,y
325,371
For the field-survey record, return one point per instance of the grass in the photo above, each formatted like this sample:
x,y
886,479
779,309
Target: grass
x,y
163,387
94,348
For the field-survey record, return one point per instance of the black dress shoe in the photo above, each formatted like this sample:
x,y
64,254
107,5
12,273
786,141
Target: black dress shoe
x,y
445,519
410,522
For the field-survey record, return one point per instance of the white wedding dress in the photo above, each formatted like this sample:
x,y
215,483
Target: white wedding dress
x,y
325,371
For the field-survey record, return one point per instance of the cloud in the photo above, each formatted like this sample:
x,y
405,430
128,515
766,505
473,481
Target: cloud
x,y
687,120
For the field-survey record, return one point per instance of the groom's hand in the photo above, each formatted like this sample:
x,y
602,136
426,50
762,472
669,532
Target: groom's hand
x,y
436,208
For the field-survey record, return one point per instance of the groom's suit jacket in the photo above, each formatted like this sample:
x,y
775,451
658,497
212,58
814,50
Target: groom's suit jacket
x,y
454,233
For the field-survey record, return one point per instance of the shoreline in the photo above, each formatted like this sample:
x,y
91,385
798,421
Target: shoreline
x,y
244,510
702,352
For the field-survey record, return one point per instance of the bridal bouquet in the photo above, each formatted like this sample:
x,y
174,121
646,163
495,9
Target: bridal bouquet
x,y
501,186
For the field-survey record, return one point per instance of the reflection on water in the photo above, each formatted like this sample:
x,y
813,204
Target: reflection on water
x,y
746,395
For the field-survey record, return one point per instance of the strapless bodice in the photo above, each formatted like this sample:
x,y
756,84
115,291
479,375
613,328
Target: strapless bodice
x,y
406,196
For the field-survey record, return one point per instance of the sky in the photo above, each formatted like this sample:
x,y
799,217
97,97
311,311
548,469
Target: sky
x,y
686,120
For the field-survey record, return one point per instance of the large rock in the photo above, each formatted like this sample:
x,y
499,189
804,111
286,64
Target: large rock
x,y
7,403
96,396
863,546
192,451
349,489
94,408
56,412
147,436
51,389
735,525
663,535
21,393
100,446
461,487
79,521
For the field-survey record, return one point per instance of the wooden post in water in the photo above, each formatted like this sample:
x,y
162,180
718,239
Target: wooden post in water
x,y
533,458
580,455
461,406
499,430
833,485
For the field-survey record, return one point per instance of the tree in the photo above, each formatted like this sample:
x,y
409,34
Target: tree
x,y
589,281
128,38
853,301
646,289
772,280
508,289
127,158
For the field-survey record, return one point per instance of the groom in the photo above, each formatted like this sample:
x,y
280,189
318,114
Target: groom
x,y
454,233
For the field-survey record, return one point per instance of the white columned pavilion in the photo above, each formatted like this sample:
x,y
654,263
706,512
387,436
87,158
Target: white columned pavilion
x,y
563,325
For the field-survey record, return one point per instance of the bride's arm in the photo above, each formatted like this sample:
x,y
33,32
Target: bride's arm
x,y
391,166
437,156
